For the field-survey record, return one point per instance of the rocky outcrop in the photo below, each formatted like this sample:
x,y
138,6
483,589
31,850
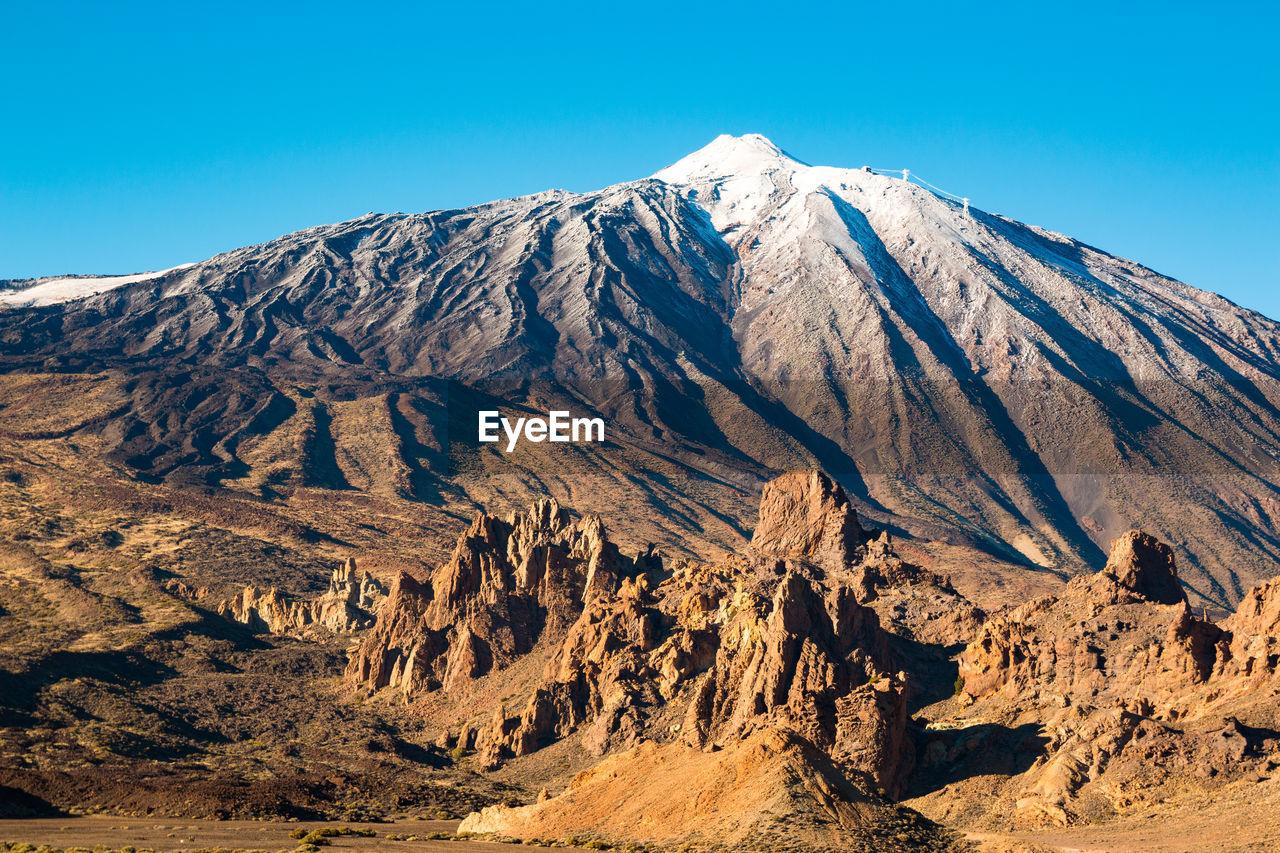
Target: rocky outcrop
x,y
774,790
1131,688
1254,630
388,655
1140,563
804,515
270,611
705,654
600,678
812,651
798,660
772,639
1125,632
352,602
805,660
508,583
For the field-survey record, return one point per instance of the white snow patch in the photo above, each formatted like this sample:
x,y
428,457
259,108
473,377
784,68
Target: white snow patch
x,y
52,291
749,186
729,156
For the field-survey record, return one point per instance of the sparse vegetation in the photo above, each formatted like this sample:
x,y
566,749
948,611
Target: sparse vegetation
x,y
320,837
19,847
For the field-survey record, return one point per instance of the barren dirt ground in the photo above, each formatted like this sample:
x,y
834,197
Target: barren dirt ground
x,y
182,835
1243,817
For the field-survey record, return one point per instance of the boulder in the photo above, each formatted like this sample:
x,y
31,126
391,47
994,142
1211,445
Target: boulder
x,y
1144,565
806,515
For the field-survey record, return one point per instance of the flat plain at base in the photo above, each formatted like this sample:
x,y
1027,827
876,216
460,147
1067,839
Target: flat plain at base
x,y
169,834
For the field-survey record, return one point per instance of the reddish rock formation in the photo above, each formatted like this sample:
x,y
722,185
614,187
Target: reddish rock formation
x,y
1140,563
774,639
800,660
1126,632
352,602
383,658
792,651
708,654
1130,687
508,582
805,515
600,673
1254,629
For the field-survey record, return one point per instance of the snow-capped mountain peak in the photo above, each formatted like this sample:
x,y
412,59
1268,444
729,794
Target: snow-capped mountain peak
x,y
730,156
753,190
804,313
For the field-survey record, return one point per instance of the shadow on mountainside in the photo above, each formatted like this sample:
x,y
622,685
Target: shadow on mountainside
x,y
932,668
947,756
15,802
130,668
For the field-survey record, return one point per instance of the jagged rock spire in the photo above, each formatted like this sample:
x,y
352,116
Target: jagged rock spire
x,y
1141,563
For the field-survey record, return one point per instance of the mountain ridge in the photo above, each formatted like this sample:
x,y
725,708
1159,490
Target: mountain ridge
x,y
741,313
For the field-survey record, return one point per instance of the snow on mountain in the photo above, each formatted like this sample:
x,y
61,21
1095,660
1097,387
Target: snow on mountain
x,y
742,312
745,180
53,291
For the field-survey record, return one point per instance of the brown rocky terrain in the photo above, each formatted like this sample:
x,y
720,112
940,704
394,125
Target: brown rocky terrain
x,y
122,690
817,690
1124,697
507,582
1089,704
351,602
771,637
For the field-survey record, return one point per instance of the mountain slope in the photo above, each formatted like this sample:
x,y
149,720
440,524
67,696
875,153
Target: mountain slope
x,y
964,376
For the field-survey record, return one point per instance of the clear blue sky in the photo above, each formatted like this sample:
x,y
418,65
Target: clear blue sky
x,y
142,137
